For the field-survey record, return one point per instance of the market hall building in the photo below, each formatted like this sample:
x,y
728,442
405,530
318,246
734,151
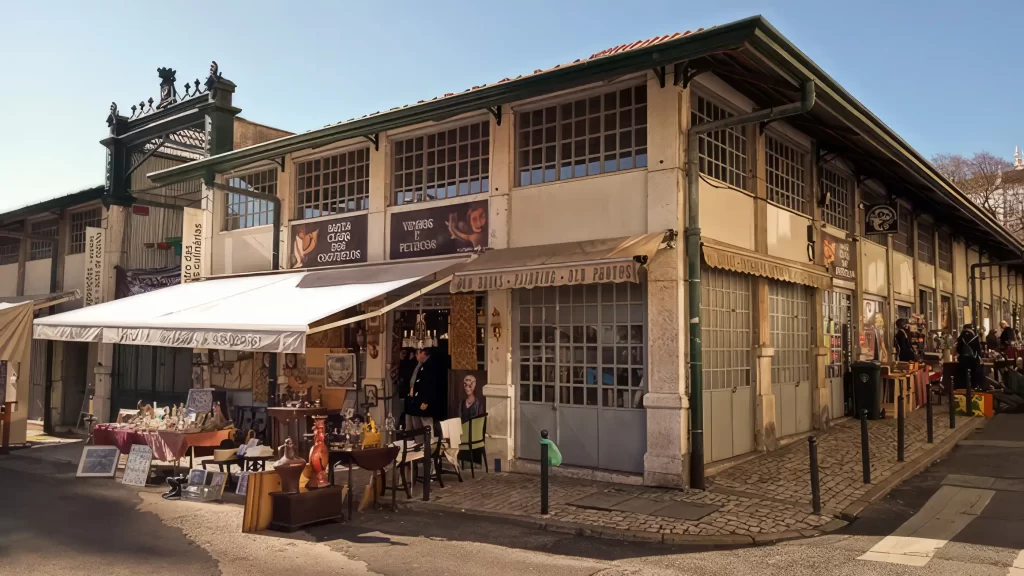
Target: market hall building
x,y
546,233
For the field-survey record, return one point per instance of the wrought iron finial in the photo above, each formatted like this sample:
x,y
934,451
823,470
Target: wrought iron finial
x,y
214,76
168,93
214,69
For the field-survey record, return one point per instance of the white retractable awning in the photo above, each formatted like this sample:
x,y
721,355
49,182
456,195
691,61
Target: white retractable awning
x,y
268,313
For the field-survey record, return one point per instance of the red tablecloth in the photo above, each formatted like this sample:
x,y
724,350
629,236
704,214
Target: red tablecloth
x,y
167,445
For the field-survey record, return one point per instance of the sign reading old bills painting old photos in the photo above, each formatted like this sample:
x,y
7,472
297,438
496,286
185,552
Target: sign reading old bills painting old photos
x,y
619,271
840,257
439,230
94,246
193,245
330,242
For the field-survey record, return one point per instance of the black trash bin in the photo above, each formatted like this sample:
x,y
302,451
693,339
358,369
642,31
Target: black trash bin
x,y
867,388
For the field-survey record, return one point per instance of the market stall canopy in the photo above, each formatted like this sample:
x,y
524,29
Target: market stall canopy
x,y
15,343
746,262
40,301
613,260
266,312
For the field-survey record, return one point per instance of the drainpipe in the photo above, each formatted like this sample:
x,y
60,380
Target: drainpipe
x,y
973,291
693,263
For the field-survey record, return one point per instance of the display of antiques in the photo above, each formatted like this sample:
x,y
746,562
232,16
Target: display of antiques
x,y
176,418
289,467
318,455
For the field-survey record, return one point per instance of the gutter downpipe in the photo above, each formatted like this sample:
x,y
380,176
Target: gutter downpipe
x,y
973,279
693,286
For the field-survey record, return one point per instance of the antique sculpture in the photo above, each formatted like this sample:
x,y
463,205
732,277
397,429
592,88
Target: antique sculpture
x,y
289,467
318,455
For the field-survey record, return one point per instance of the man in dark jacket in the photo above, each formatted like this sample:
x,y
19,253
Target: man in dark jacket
x,y
904,349
968,351
426,386
1008,336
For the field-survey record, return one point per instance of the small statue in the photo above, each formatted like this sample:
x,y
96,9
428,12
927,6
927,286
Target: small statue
x,y
289,467
318,455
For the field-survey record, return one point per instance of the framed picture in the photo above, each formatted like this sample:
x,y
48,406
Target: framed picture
x,y
216,481
136,470
341,371
370,395
243,484
197,477
98,462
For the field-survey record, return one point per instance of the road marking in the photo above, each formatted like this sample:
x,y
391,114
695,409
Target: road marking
x,y
992,443
945,514
1018,566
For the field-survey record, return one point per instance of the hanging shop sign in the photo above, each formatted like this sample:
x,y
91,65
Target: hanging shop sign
x,y
135,282
329,242
568,275
94,246
881,219
193,245
441,230
840,257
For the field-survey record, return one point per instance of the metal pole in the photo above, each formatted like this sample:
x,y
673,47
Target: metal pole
x,y
928,415
900,446
544,465
967,392
692,239
865,457
426,464
812,446
952,407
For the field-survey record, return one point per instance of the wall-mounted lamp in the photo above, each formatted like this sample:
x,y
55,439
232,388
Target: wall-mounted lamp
x,y
496,324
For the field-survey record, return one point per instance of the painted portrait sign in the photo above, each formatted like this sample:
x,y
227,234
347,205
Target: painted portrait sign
x,y
440,230
329,242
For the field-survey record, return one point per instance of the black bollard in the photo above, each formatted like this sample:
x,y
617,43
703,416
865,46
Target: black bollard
x,y
865,457
900,446
426,465
952,407
928,415
812,446
544,465
967,393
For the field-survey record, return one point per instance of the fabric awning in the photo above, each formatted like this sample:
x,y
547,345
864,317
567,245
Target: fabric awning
x,y
40,301
267,312
614,260
746,262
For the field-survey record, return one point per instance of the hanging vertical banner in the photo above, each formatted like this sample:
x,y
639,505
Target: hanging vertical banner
x,y
95,244
193,245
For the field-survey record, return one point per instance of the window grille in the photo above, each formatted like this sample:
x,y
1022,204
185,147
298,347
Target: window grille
x,y
446,164
333,185
9,248
926,242
784,174
723,153
595,135
839,189
586,343
91,218
726,336
902,240
945,251
245,212
39,249
789,313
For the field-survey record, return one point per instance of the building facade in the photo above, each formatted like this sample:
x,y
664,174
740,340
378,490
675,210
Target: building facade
x,y
570,186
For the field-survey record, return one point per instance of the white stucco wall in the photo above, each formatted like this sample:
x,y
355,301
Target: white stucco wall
x,y
875,270
727,215
9,280
926,274
74,279
37,277
903,275
246,250
787,234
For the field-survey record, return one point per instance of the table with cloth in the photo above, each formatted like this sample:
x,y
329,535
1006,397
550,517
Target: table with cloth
x,y
167,445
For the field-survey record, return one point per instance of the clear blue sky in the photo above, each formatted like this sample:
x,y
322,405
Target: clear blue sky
x,y
947,75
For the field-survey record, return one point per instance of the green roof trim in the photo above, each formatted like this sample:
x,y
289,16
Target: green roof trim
x,y
54,204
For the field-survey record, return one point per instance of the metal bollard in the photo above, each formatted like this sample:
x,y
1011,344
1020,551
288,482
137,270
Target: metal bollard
x,y
812,447
967,393
544,465
928,415
865,457
952,407
900,445
426,465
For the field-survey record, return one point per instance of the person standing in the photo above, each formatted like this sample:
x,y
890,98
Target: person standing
x,y
425,382
968,351
901,341
1008,336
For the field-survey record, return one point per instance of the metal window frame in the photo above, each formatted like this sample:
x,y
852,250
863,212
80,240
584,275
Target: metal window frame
x,y
537,392
726,338
790,328
79,221
926,242
42,250
735,142
545,170
339,203
785,173
903,239
10,249
836,211
250,212
947,254
838,304
414,193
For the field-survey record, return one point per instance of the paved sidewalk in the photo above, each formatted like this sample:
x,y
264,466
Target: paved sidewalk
x,y
763,498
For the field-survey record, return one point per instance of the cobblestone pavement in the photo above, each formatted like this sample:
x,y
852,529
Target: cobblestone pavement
x,y
783,475
767,494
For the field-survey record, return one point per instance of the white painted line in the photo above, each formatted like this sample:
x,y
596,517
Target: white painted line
x,y
945,514
1018,566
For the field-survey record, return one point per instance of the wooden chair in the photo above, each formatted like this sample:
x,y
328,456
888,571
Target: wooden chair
x,y
412,451
440,444
474,431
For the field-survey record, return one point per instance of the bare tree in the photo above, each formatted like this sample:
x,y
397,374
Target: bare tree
x,y
986,179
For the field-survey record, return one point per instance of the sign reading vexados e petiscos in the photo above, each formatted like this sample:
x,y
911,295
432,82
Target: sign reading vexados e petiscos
x,y
288,342
622,271
439,230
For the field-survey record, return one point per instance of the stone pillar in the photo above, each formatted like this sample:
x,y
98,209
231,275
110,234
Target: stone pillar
x,y
113,255
821,408
765,433
380,198
499,390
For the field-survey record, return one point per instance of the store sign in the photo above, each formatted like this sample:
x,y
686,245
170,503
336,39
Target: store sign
x,y
840,257
330,242
135,282
94,246
193,245
536,278
881,219
287,342
440,230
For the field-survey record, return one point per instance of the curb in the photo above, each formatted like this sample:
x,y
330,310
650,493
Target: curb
x,y
913,468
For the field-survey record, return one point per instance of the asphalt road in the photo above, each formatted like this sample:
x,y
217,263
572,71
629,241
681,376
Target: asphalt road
x,y
52,523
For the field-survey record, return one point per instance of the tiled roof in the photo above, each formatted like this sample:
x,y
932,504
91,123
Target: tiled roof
x,y
621,48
